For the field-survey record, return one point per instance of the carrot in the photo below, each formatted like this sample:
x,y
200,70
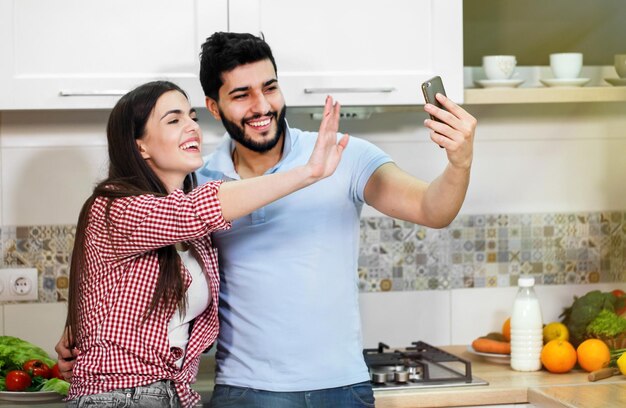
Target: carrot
x,y
485,345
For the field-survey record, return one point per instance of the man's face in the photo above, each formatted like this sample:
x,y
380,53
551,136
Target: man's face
x,y
251,106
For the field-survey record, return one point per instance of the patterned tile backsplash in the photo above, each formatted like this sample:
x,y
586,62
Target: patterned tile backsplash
x,y
474,251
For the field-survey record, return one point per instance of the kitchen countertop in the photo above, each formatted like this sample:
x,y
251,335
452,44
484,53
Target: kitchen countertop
x,y
544,389
570,390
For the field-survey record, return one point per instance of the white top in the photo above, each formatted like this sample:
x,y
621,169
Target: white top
x,y
198,299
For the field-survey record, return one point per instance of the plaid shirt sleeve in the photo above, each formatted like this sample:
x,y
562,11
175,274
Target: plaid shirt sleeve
x,y
143,223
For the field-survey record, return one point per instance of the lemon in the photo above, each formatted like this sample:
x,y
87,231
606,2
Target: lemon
x,y
555,331
621,363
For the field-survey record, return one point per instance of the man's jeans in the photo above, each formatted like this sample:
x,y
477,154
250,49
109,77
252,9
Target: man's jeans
x,y
161,394
351,396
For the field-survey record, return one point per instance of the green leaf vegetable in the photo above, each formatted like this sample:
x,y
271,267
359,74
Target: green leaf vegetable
x,y
56,385
14,352
584,310
615,355
37,383
607,324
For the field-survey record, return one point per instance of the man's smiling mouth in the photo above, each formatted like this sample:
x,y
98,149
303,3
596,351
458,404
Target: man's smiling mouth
x,y
259,123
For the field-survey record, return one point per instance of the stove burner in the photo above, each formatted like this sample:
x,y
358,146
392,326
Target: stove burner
x,y
419,365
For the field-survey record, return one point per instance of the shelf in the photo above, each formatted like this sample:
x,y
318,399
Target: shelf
x,y
480,96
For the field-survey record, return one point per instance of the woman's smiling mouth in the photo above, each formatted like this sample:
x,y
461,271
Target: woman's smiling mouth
x,y
192,145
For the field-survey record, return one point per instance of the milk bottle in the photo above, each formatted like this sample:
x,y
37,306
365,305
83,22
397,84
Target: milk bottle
x,y
526,328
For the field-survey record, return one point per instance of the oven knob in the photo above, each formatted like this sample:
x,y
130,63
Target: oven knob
x,y
378,377
401,376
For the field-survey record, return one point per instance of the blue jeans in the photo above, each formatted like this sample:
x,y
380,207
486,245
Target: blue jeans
x,y
353,396
161,394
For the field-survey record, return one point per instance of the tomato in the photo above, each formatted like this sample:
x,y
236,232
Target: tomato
x,y
17,380
618,293
55,372
620,306
37,368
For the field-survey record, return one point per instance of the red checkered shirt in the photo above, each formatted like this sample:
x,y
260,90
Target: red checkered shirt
x,y
118,349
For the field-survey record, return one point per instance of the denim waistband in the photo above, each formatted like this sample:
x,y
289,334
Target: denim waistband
x,y
163,387
158,394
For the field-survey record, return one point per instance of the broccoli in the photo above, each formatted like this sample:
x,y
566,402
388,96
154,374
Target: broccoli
x,y
584,310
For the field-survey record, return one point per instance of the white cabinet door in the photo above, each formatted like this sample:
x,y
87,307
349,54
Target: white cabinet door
x,y
75,54
363,52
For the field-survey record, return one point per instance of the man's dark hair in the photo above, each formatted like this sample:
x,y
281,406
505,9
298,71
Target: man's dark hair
x,y
223,52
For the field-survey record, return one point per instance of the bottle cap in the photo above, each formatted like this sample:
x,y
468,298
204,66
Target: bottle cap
x,y
525,281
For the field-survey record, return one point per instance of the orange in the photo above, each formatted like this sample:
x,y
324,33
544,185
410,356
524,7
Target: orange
x,y
506,329
593,354
558,356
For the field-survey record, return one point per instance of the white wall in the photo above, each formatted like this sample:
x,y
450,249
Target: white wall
x,y
455,316
528,158
39,323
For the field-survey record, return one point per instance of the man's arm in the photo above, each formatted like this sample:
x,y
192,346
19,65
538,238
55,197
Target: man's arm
x,y
66,357
400,195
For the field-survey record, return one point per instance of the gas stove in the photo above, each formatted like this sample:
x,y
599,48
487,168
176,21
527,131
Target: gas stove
x,y
418,366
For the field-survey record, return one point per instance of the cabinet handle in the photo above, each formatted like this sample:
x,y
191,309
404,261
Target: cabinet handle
x,y
348,90
93,93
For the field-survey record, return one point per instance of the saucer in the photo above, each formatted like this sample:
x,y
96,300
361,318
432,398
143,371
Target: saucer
x,y
616,81
500,83
565,82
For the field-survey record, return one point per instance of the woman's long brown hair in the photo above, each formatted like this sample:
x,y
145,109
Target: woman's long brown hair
x,y
129,175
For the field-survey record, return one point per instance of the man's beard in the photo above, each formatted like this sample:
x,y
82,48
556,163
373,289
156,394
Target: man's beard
x,y
237,132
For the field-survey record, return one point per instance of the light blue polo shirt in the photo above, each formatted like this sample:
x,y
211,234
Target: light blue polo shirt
x,y
289,309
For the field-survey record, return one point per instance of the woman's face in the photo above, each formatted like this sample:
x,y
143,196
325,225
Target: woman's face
x,y
172,140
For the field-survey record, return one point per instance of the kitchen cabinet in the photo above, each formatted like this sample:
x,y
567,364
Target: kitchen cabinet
x,y
73,54
363,53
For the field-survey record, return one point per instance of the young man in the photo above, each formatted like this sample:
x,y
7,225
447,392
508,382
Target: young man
x,y
290,332
290,326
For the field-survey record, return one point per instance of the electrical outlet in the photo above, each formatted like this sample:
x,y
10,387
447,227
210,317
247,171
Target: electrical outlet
x,y
18,284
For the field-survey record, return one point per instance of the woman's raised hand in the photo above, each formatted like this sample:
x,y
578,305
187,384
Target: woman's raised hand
x,y
327,151
241,197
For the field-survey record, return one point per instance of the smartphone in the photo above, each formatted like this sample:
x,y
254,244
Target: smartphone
x,y
430,88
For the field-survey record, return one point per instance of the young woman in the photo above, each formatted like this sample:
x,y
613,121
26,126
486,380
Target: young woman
x,y
143,279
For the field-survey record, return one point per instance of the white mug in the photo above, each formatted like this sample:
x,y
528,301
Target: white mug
x,y
499,66
566,65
